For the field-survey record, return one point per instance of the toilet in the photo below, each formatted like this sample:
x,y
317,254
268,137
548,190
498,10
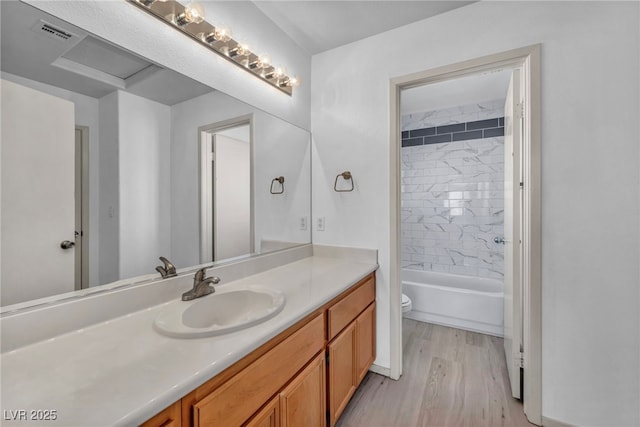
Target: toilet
x,y
406,304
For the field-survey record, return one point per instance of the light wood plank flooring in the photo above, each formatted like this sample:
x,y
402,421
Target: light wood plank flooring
x,y
451,378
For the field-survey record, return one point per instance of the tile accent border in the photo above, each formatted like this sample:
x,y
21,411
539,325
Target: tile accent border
x,y
478,129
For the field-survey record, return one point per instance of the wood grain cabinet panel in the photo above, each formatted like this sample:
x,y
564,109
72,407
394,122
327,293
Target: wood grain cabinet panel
x,y
238,399
269,416
342,371
302,402
365,342
344,311
169,417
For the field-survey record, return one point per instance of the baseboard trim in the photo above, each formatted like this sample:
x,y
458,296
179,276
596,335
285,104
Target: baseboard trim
x,y
550,422
380,370
453,322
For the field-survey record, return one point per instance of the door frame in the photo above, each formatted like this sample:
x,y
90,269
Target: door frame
x,y
204,191
528,59
82,195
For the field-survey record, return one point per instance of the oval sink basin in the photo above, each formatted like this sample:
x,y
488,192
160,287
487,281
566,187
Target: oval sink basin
x,y
219,313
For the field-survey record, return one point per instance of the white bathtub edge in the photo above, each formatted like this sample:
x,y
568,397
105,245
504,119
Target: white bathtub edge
x,y
453,322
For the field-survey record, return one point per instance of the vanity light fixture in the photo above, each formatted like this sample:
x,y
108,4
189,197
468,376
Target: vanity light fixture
x,y
191,21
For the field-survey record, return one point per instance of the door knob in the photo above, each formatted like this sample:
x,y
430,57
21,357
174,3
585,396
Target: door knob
x,y
498,240
66,244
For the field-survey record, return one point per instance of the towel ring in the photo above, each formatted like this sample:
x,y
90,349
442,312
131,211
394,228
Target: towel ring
x,y
346,175
279,179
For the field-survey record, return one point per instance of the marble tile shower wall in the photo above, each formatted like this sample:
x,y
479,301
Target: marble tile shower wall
x,y
452,196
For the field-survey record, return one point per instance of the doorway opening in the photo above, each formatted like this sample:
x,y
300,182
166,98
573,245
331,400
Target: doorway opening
x,y
226,189
522,229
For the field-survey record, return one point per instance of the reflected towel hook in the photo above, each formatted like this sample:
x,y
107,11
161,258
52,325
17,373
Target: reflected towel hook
x,y
346,175
279,179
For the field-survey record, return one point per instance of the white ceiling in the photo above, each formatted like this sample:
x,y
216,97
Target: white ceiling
x,y
325,24
82,64
467,90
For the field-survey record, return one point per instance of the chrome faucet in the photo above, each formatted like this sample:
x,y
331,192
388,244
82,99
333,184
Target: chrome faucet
x,y
169,270
201,285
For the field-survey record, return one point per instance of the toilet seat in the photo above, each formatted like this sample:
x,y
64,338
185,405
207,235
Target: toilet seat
x,y
406,303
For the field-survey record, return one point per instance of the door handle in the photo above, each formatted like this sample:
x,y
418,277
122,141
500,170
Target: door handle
x,y
66,244
498,240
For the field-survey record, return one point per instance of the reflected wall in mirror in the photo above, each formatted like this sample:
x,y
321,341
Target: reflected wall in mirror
x,y
102,165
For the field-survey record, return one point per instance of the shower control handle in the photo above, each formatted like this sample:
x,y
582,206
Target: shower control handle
x,y
498,240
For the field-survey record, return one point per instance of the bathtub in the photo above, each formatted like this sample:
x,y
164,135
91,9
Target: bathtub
x,y
463,302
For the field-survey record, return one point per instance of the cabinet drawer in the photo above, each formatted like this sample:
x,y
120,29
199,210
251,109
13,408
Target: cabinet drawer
x,y
235,401
346,310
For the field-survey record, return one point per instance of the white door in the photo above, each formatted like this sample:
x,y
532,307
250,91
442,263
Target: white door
x,y
512,233
37,194
231,198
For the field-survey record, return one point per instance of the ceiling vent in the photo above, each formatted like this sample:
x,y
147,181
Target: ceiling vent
x,y
44,28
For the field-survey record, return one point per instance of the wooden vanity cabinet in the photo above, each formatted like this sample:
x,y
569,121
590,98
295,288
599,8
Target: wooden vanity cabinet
x,y
294,380
351,350
235,401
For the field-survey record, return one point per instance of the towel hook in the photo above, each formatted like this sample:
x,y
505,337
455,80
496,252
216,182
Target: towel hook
x,y
346,175
279,179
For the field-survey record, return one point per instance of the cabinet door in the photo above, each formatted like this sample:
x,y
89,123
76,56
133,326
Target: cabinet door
x,y
342,378
365,341
269,416
169,417
235,401
302,402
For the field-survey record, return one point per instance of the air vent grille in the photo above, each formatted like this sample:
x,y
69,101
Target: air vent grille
x,y
51,31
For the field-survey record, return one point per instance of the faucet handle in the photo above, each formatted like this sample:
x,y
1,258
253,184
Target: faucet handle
x,y
169,270
199,276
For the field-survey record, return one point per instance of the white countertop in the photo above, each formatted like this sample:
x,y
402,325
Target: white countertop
x,y
122,372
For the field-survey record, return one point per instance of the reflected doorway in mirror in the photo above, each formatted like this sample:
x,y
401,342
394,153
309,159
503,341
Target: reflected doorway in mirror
x,y
226,188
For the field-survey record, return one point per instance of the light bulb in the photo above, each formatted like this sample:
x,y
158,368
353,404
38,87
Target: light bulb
x,y
279,72
289,82
294,81
241,49
244,49
193,12
264,61
222,33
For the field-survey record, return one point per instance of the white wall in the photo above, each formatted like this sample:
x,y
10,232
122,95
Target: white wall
x,y
280,148
144,145
590,174
86,114
133,29
109,204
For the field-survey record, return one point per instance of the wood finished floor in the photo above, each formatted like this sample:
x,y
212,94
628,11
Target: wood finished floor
x,y
451,378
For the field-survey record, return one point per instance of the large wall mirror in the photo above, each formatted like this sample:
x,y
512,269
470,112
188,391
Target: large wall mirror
x,y
110,161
